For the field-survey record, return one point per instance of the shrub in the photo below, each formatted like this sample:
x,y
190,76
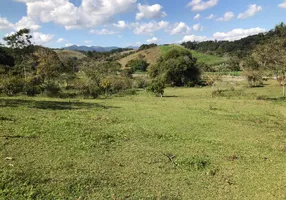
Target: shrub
x,y
140,82
11,85
94,91
87,88
127,72
33,86
254,78
137,65
51,89
252,71
157,87
118,84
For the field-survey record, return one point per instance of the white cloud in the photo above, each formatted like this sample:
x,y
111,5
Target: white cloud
x,y
27,22
180,28
150,12
121,25
227,17
102,32
133,44
200,5
5,24
149,28
210,16
198,27
69,44
88,42
153,40
282,5
24,22
194,38
41,38
197,17
61,40
89,14
252,10
237,34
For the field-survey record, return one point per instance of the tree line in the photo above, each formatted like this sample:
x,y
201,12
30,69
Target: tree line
x,y
35,70
239,48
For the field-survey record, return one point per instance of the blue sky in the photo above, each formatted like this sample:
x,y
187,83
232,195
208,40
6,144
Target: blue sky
x,y
58,23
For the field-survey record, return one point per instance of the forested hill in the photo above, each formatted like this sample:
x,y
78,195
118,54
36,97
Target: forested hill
x,y
240,48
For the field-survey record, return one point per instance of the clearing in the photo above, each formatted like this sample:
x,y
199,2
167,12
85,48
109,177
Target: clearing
x,y
186,145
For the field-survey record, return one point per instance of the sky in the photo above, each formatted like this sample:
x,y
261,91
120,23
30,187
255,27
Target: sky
x,y
122,23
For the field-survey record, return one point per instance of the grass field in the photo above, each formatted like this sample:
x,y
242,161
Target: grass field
x,y
186,145
209,59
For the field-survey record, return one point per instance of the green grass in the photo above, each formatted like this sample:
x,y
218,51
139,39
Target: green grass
x,y
209,59
202,58
164,49
233,73
186,145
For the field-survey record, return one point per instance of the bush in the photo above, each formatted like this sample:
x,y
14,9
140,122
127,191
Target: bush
x,y
33,86
51,89
137,65
11,86
118,84
254,78
146,46
157,87
87,88
127,72
140,82
94,91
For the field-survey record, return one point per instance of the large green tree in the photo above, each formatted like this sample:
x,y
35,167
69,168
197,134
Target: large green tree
x,y
272,57
178,68
137,65
21,44
19,40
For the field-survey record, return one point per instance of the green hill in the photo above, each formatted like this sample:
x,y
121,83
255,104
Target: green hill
x,y
65,54
202,57
153,54
150,55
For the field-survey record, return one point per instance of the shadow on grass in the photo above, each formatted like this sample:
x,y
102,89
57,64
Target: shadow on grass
x,y
18,137
170,96
51,105
266,98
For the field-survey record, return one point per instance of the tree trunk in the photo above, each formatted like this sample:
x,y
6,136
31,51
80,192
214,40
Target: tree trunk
x,y
24,68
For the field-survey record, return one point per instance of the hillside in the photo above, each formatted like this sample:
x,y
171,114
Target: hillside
x,y
153,54
202,57
65,54
240,48
209,59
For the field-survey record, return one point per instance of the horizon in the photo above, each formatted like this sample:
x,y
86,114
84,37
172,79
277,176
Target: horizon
x,y
107,23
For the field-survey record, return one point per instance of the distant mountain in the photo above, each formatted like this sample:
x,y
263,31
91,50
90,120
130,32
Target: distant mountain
x,y
93,48
133,47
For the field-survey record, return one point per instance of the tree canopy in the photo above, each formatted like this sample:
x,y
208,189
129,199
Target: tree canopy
x,y
177,68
